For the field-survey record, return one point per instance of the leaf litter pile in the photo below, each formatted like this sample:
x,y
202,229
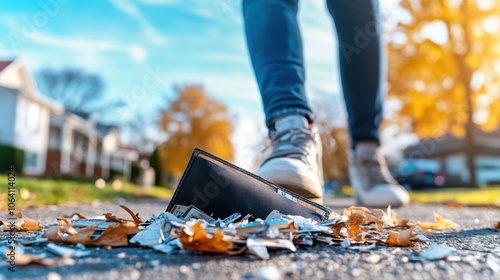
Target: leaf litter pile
x,y
189,229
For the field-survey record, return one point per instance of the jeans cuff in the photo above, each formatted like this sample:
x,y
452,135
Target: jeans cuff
x,y
287,112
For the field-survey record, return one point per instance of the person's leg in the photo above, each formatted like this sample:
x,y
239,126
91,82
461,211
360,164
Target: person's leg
x,y
275,48
362,73
361,65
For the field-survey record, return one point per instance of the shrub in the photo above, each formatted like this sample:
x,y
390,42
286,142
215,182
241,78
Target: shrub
x,y
9,156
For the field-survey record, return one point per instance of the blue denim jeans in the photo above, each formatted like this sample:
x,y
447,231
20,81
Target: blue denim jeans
x,y
275,48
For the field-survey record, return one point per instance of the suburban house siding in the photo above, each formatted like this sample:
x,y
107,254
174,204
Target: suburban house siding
x,y
8,109
55,141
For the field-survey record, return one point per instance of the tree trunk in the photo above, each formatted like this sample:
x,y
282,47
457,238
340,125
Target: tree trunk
x,y
466,76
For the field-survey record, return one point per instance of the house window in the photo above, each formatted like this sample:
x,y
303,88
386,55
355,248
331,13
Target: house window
x,y
55,136
33,117
30,160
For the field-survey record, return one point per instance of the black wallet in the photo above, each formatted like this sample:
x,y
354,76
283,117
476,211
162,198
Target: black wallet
x,y
221,189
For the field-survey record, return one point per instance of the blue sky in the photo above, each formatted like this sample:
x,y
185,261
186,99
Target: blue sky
x,y
142,48
172,41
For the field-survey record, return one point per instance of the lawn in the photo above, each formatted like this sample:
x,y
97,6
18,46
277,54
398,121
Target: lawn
x,y
37,192
484,196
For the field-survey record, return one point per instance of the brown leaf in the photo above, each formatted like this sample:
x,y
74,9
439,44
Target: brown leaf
x,y
498,225
441,223
25,224
74,216
356,217
401,238
114,235
201,241
113,218
362,215
395,222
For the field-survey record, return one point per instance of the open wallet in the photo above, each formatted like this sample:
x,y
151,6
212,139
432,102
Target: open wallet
x,y
220,189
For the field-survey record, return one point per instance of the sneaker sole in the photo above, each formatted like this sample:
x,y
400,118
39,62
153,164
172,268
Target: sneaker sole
x,y
289,177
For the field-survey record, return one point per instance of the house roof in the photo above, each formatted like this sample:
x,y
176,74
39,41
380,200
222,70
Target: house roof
x,y
484,143
4,64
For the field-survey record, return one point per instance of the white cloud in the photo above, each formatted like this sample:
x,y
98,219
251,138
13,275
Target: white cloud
x,y
138,53
130,9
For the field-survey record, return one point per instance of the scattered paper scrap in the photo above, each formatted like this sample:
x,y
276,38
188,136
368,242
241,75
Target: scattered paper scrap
x,y
189,228
437,252
66,251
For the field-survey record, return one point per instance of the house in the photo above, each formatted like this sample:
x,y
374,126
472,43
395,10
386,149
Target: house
x,y
56,142
449,152
26,115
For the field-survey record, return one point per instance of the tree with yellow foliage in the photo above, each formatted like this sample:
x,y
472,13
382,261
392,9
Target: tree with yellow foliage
x,y
194,119
444,68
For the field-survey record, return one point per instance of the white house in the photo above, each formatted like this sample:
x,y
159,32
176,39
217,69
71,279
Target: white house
x,y
25,115
55,141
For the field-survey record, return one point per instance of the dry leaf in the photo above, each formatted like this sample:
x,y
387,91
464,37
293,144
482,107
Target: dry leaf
x,y
74,216
498,225
362,215
353,224
113,218
25,224
395,222
201,241
114,235
401,238
441,223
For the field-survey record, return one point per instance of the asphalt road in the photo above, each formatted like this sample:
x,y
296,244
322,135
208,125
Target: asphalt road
x,y
477,247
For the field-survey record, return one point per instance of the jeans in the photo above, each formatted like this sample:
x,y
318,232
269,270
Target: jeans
x,y
275,48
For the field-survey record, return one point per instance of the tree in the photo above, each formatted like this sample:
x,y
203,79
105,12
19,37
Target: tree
x,y
443,68
78,91
143,132
331,122
194,119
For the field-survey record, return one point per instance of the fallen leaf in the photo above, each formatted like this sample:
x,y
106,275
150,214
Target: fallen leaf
x,y
395,222
454,204
25,224
362,215
113,218
498,225
199,240
74,216
441,223
114,235
401,238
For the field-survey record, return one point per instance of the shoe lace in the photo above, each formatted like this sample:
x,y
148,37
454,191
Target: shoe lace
x,y
295,143
377,171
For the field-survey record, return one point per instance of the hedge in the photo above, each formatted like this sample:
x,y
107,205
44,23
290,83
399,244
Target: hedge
x,y
9,156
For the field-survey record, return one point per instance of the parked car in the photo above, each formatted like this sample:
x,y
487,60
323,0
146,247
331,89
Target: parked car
x,y
419,174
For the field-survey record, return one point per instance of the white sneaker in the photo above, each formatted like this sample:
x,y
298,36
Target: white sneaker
x,y
371,180
295,160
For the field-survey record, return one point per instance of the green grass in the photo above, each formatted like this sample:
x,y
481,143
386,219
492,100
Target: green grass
x,y
484,196
37,192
